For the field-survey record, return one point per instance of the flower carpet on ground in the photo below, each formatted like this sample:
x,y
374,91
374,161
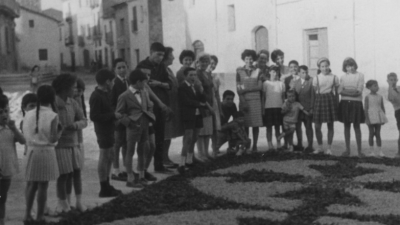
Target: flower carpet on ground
x,y
270,188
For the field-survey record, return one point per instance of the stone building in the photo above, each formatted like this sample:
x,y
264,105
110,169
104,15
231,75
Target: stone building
x,y
9,10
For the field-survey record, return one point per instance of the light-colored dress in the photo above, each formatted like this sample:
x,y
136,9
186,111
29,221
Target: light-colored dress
x,y
174,127
247,79
41,158
8,152
375,112
207,87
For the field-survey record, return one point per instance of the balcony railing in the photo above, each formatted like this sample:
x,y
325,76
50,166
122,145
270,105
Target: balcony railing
x,y
110,38
10,6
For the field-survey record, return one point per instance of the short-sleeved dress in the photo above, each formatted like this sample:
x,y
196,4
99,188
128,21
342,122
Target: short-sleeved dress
x,y
247,79
375,113
273,91
174,127
8,152
41,159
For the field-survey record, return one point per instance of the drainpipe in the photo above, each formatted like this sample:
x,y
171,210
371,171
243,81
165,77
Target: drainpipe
x,y
276,23
354,27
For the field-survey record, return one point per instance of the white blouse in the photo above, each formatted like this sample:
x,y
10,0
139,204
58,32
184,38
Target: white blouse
x,y
323,84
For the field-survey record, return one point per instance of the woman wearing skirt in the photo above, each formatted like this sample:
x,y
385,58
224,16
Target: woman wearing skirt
x,y
351,109
326,103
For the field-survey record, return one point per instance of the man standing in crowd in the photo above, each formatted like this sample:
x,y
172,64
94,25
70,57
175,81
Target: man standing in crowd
x,y
160,85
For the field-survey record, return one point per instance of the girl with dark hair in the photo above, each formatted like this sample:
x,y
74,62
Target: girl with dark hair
x,y
42,130
9,135
67,150
173,127
35,77
186,58
262,64
351,109
278,57
249,87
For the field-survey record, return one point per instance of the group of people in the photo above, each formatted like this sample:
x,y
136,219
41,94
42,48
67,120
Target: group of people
x,y
143,109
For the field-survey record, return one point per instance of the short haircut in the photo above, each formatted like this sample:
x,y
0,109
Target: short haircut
x,y
293,62
349,62
277,69
157,47
263,51
249,52
228,93
168,50
303,67
186,53
392,75
3,101
238,114
370,83
46,95
28,98
118,60
275,54
214,58
80,84
34,67
204,56
63,82
137,75
291,92
187,70
103,75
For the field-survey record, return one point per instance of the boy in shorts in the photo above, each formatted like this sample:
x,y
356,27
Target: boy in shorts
x,y
291,110
394,98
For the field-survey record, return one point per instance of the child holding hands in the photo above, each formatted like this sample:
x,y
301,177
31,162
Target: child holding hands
x,y
374,116
9,134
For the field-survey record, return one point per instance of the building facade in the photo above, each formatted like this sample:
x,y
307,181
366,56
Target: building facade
x,y
39,40
9,11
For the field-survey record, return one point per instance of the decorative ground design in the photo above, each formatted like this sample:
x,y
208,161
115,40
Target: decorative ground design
x,y
271,188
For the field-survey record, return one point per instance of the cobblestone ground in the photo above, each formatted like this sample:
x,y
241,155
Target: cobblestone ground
x,y
16,201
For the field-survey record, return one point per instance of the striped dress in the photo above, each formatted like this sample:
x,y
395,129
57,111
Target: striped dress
x,y
247,79
41,159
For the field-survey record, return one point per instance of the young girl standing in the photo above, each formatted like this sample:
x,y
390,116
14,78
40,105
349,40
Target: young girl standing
x,y
273,97
374,116
67,151
9,134
351,110
326,102
42,131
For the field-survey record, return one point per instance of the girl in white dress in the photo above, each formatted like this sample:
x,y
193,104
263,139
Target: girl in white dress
x,y
41,130
375,116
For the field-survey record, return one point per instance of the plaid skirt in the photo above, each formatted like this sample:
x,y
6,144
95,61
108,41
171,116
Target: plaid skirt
x,y
351,112
41,164
253,117
325,108
68,159
273,117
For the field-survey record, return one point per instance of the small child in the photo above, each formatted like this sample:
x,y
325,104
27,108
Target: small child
x,y
42,130
374,116
9,134
394,98
28,103
291,110
235,133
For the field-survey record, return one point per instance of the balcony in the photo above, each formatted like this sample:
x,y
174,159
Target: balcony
x,y
69,40
97,35
110,38
10,7
81,41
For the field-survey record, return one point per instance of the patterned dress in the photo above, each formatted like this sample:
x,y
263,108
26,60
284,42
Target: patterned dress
x,y
247,79
174,127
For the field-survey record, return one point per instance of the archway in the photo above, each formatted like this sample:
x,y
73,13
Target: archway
x,y
260,38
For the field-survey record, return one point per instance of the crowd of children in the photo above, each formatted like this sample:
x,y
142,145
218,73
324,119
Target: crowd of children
x,y
132,112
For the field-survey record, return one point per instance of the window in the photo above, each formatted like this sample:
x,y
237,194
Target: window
x,y
135,20
31,23
106,56
231,18
122,53
43,54
316,42
137,51
261,38
122,26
